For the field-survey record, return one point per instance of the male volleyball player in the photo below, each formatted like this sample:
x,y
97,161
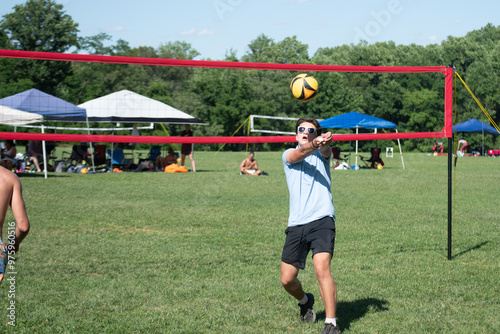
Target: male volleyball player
x,y
11,195
311,221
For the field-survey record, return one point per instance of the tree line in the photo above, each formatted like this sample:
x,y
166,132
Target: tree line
x,y
224,98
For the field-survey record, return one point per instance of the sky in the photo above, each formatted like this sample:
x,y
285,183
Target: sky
x,y
214,27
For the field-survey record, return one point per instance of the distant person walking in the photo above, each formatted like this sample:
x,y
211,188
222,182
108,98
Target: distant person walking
x,y
187,149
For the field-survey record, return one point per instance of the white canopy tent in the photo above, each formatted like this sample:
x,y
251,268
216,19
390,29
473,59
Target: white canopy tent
x,y
129,107
14,117
10,116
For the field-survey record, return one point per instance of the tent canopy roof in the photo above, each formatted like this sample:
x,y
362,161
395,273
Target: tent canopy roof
x,y
474,125
129,107
355,119
9,116
38,102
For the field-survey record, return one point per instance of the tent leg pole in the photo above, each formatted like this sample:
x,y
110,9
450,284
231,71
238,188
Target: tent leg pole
x,y
450,157
400,152
44,152
91,148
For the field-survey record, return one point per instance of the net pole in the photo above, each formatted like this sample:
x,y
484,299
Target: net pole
x,y
448,129
450,152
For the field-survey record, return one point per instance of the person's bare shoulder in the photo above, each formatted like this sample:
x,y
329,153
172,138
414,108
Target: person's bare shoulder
x,y
7,177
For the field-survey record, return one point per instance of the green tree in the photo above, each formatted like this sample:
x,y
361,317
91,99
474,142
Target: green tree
x,y
261,50
41,25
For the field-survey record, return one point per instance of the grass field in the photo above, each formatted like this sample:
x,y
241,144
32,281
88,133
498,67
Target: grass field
x,y
200,252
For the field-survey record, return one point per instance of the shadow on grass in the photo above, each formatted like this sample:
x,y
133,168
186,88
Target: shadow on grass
x,y
349,312
470,249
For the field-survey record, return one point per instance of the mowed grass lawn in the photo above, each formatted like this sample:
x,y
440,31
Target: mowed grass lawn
x,y
200,252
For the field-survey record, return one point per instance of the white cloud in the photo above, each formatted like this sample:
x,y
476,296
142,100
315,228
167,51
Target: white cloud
x,y
206,32
115,29
428,39
188,33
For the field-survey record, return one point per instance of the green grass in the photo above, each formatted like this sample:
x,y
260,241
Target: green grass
x,y
200,252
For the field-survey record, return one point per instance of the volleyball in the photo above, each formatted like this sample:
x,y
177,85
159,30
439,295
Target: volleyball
x,y
380,166
304,87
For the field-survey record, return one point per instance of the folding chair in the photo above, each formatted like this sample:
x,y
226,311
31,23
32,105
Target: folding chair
x,y
154,152
50,149
374,159
99,155
79,154
116,158
337,157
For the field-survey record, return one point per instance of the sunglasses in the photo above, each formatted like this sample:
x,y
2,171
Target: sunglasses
x,y
303,129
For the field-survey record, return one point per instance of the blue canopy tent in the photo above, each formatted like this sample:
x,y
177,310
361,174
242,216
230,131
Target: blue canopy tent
x,y
355,120
38,102
46,105
474,125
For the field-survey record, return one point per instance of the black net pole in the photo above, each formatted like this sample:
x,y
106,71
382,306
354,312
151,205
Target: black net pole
x,y
450,157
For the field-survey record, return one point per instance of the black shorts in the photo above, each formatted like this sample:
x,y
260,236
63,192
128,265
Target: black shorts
x,y
186,152
318,236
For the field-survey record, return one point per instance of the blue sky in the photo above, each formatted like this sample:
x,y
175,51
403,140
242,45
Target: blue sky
x,y
213,27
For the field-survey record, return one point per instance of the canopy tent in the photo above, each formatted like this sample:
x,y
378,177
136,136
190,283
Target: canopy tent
x,y
474,125
9,116
129,107
45,105
357,120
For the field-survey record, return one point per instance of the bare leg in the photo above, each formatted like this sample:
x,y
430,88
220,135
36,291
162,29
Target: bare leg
x,y
327,287
290,281
193,166
37,164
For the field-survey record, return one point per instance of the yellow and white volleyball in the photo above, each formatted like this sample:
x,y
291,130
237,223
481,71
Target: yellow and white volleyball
x,y
304,87
379,166
84,171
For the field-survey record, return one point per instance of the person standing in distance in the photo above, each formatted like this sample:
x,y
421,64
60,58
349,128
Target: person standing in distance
x,y
311,221
11,195
187,149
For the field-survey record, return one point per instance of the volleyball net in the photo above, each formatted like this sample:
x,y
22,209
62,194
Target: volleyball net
x,y
7,111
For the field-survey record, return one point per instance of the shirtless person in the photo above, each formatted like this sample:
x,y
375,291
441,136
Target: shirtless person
x,y
11,195
249,166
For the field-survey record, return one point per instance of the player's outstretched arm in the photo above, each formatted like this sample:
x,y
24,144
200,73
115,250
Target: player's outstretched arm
x,y
325,144
303,151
